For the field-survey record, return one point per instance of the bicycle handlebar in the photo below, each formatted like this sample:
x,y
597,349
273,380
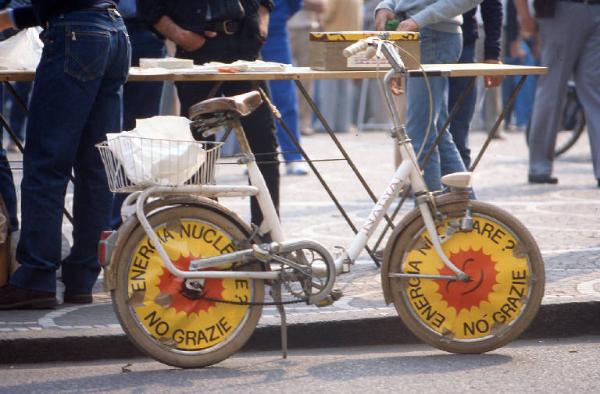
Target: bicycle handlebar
x,y
372,45
355,48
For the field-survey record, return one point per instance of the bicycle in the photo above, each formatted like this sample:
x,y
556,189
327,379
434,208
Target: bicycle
x,y
188,276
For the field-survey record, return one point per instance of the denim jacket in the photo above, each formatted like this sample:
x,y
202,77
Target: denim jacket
x,y
442,15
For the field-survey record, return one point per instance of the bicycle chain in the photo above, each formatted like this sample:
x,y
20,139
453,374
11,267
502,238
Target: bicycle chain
x,y
273,303
253,303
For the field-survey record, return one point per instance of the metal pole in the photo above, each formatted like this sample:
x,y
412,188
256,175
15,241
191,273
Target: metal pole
x,y
492,132
310,163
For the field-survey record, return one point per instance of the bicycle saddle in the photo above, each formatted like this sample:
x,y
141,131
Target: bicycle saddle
x,y
242,104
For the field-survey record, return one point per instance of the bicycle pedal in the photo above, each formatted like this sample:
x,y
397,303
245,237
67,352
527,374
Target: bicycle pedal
x,y
335,295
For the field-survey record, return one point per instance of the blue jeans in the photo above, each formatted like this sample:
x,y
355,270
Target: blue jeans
x,y
459,127
283,93
436,47
140,99
523,106
76,100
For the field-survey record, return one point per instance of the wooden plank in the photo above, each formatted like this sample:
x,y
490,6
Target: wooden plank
x,y
16,75
483,69
305,73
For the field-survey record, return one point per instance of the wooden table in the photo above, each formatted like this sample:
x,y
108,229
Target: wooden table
x,y
305,73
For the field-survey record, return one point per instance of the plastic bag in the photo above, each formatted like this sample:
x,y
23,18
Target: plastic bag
x,y
159,151
21,51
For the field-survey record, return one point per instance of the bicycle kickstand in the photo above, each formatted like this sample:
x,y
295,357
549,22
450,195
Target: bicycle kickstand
x,y
276,293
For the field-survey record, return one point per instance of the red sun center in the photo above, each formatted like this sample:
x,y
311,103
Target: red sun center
x,y
173,286
482,272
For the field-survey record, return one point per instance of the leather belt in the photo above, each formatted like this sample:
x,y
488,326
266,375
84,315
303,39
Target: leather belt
x,y
228,27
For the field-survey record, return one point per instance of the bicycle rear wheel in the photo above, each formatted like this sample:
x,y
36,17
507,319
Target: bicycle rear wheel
x,y
161,315
572,124
494,307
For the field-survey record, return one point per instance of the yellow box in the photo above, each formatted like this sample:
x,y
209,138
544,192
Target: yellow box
x,y
326,50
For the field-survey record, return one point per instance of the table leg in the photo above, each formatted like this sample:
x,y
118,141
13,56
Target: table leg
x,y
492,132
5,122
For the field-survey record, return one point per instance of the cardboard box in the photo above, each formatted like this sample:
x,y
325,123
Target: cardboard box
x,y
326,50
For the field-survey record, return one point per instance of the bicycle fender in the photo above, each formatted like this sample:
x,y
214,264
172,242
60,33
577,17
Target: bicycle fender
x,y
408,219
126,229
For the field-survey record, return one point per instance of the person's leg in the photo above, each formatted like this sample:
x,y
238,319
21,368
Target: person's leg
x,y
63,96
436,47
92,199
561,47
259,125
301,56
524,102
459,127
587,79
346,118
283,94
508,84
327,100
260,130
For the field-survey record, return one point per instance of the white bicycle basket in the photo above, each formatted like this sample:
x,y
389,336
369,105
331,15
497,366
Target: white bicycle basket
x,y
134,163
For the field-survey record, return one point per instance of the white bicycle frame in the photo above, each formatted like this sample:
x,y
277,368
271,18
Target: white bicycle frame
x,y
407,173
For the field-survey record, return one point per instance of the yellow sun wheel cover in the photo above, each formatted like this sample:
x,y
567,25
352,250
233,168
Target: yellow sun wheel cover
x,y
492,299
183,319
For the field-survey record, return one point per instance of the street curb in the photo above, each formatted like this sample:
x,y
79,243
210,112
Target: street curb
x,y
552,321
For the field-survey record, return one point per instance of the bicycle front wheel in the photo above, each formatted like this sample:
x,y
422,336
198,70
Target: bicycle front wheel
x,y
498,302
173,323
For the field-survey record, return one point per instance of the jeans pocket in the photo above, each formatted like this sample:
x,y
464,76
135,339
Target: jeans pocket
x,y
87,51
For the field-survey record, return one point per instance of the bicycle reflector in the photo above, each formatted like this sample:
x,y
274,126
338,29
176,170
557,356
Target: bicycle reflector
x,y
105,246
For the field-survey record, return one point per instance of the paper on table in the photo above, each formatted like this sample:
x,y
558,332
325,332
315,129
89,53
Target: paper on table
x,y
248,66
196,70
167,62
159,151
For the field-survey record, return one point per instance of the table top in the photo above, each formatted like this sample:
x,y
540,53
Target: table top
x,y
304,73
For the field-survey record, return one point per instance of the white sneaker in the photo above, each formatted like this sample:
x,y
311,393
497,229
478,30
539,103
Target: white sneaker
x,y
296,168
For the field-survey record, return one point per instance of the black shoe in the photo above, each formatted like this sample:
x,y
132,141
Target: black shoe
x,y
12,297
81,298
598,182
543,179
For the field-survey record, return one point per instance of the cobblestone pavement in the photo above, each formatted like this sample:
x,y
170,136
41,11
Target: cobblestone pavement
x,y
564,219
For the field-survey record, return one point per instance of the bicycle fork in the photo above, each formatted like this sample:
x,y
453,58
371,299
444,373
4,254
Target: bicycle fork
x,y
406,174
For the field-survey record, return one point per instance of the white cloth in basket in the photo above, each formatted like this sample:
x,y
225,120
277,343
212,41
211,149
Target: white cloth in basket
x,y
159,151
